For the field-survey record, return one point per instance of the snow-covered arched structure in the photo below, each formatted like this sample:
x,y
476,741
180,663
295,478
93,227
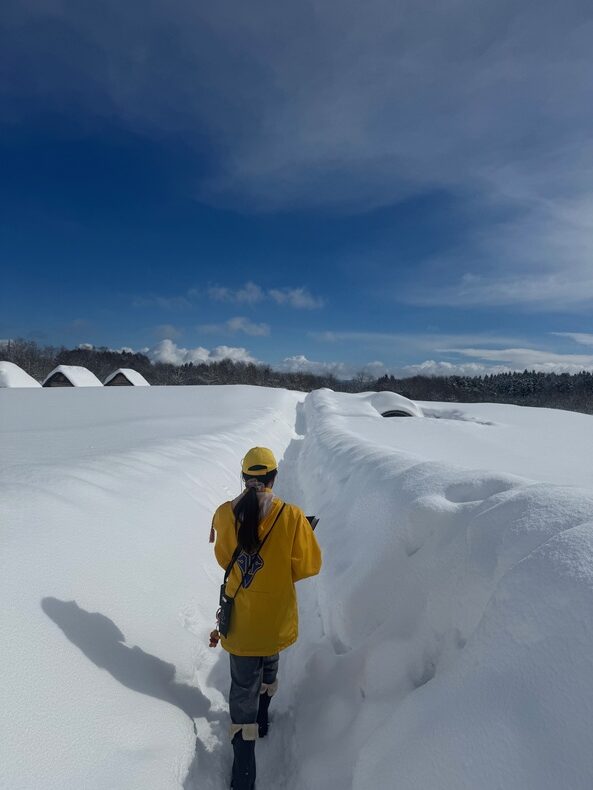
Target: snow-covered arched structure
x,y
125,377
13,376
391,404
71,376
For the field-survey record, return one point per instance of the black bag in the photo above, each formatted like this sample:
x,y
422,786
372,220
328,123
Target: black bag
x,y
226,601
224,612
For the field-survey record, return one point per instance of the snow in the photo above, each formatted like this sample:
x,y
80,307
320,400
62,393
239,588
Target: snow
x,y
13,376
135,378
447,643
77,375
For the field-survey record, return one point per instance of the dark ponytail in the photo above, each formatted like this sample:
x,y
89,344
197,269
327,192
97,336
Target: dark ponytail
x,y
247,514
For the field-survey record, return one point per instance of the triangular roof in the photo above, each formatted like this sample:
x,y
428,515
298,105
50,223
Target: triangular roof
x,y
76,375
135,378
13,376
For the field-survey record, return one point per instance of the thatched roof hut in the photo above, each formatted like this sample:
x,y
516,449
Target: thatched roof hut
x,y
125,377
71,376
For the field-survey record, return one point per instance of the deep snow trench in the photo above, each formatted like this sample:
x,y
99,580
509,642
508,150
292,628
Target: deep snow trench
x,y
447,643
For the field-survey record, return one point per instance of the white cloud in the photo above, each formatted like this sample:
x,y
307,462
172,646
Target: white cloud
x,y
238,324
341,370
233,353
299,298
376,369
509,359
524,357
170,352
431,367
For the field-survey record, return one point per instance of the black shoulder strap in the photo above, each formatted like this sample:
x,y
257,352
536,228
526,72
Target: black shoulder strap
x,y
237,551
229,567
271,528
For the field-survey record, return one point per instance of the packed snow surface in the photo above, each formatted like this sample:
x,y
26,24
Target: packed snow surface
x,y
135,378
446,645
77,375
13,376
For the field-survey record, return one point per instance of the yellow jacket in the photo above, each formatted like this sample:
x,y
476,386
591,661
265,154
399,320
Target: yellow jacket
x,y
265,614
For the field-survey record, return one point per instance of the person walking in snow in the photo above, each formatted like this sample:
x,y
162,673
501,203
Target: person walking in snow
x,y
265,545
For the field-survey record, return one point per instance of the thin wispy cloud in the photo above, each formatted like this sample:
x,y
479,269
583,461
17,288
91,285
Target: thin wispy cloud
x,y
237,324
583,338
171,303
415,341
539,259
252,294
493,353
384,99
298,298
340,108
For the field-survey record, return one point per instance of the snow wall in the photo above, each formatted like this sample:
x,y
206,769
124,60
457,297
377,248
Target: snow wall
x,y
448,643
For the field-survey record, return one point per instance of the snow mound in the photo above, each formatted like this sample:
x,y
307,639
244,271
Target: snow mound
x,y
77,375
448,645
13,376
106,499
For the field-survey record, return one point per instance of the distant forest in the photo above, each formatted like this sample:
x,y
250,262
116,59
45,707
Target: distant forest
x,y
554,390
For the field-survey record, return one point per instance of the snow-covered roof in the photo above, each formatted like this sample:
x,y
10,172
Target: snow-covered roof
x,y
13,376
393,402
135,378
76,375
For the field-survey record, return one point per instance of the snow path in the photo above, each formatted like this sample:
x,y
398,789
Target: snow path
x,y
447,644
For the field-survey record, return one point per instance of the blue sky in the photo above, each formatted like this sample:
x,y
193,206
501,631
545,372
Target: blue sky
x,y
383,186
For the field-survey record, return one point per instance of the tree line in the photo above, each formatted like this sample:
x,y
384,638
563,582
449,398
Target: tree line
x,y
527,388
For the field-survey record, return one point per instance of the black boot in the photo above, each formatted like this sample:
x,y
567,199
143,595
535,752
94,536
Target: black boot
x,y
262,714
243,776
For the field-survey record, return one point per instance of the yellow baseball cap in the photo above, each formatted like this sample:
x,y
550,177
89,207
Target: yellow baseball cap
x,y
258,461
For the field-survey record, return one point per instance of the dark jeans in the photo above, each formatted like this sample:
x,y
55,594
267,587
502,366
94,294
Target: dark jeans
x,y
247,675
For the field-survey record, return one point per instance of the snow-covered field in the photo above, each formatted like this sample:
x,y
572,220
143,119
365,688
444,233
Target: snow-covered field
x,y
447,644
